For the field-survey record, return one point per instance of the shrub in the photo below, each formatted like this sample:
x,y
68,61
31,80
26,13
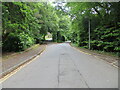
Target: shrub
x,y
17,42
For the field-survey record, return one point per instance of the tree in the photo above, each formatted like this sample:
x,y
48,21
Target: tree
x,y
105,26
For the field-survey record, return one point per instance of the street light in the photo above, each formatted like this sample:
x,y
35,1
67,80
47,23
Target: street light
x,y
89,33
89,27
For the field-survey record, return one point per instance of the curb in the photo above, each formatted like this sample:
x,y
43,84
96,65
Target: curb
x,y
22,51
112,64
3,74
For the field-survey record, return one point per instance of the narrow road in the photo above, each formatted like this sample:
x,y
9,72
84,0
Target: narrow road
x,y
61,66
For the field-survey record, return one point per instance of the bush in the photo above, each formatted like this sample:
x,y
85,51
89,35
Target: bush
x,y
17,42
26,40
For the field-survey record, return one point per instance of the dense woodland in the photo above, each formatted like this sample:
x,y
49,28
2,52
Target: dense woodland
x,y
27,23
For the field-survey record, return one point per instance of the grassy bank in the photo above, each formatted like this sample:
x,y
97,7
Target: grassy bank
x,y
96,51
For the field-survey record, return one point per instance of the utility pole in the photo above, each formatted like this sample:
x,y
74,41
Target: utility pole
x,y
89,33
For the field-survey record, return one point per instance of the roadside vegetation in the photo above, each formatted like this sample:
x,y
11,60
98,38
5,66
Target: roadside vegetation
x,y
27,23
104,21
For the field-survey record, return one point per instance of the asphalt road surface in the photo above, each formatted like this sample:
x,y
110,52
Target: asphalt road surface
x,y
62,66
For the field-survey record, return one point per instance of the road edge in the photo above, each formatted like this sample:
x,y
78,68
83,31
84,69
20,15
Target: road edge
x,y
17,67
112,64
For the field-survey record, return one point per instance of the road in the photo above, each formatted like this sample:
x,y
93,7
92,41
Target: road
x,y
62,66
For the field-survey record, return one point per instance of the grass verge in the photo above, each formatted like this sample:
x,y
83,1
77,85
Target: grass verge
x,y
6,55
112,54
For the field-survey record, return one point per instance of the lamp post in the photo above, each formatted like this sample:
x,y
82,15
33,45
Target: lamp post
x,y
89,33
89,28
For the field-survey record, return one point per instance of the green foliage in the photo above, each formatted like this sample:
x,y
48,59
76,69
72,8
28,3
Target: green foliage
x,y
104,21
25,40
18,42
26,23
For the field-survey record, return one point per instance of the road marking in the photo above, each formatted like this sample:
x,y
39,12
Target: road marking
x,y
20,67
81,51
112,64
